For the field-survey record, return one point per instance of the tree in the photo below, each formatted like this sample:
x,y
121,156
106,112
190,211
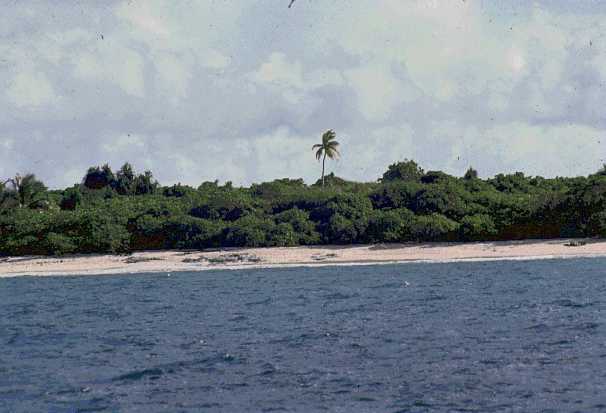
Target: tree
x,y
7,196
27,191
477,227
434,227
332,180
470,174
145,184
125,180
98,177
328,147
408,170
602,170
392,225
71,198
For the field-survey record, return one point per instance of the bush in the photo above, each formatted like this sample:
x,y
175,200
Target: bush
x,y
477,227
227,206
249,231
98,177
59,244
103,233
71,198
187,232
470,174
283,235
434,227
398,194
150,232
445,199
303,227
408,170
390,226
341,230
344,219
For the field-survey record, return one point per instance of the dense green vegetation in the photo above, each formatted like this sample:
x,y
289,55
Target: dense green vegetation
x,y
124,211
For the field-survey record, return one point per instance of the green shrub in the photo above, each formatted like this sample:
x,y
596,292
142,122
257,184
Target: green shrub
x,y
303,227
249,231
189,232
59,244
408,170
434,227
393,225
477,227
283,235
71,198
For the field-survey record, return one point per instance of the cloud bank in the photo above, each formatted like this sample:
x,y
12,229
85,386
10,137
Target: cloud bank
x,y
240,91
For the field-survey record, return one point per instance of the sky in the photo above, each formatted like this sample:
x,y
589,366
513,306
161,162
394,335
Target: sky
x,y
240,90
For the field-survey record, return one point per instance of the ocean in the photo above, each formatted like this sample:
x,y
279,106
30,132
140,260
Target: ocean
x,y
501,336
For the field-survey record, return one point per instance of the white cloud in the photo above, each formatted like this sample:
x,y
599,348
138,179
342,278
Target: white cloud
x,y
241,91
142,16
173,76
278,71
378,90
29,89
282,154
290,79
123,142
119,65
557,150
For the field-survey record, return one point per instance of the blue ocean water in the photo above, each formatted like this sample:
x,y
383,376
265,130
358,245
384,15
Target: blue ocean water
x,y
515,336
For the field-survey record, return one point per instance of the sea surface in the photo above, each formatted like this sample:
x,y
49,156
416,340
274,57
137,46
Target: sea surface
x,y
509,336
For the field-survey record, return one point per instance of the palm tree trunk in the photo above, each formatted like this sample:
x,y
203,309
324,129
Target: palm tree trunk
x,y
323,161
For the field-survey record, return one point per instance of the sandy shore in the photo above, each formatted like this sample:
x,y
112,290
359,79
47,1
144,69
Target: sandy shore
x,y
173,261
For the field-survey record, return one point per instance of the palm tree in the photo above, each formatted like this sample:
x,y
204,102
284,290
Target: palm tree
x,y
26,191
328,147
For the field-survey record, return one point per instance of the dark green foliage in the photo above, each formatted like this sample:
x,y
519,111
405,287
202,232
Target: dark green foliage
x,y
304,229
177,191
511,183
71,198
228,205
191,233
102,232
432,177
477,227
434,227
343,220
249,231
59,244
24,192
443,198
127,211
283,235
125,180
471,174
277,188
408,170
397,194
145,184
332,180
393,225
151,232
98,177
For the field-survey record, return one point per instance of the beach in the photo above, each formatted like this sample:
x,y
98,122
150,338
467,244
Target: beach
x,y
236,258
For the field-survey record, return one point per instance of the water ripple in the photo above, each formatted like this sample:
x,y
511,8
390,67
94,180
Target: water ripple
x,y
462,337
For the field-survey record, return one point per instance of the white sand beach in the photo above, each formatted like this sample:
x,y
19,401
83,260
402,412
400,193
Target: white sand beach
x,y
174,261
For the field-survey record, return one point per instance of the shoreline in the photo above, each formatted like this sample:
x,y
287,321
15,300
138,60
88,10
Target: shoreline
x,y
173,261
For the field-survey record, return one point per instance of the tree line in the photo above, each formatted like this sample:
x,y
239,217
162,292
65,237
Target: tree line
x,y
123,211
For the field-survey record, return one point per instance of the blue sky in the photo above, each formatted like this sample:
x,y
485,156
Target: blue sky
x,y
240,91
